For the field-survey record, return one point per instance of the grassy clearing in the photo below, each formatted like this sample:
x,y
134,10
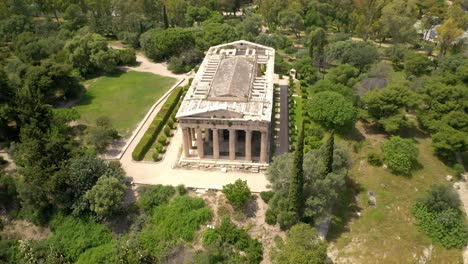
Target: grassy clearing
x,y
386,233
124,98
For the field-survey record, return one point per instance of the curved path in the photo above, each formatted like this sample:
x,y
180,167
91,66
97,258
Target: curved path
x,y
163,172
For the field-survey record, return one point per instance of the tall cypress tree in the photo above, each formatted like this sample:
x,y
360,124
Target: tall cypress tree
x,y
165,20
328,155
296,188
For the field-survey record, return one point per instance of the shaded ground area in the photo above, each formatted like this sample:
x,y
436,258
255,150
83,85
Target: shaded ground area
x,y
124,98
385,232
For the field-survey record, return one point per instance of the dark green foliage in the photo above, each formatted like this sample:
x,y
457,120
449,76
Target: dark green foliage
x,y
167,131
328,157
446,227
157,125
181,190
106,197
401,155
152,196
302,245
230,239
160,44
448,141
328,85
360,54
8,193
374,159
155,155
159,147
388,106
106,253
440,197
8,251
270,217
237,193
417,64
172,225
266,196
73,236
296,187
126,57
331,110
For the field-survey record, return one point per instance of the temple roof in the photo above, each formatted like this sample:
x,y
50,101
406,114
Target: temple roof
x,y
234,81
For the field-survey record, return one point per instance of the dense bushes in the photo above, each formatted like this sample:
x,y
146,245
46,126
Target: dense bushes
x,y
160,44
400,154
157,125
228,240
172,225
237,193
72,236
152,196
438,215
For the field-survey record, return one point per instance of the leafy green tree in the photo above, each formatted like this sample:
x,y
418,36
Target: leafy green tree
x,y
160,44
332,110
397,20
417,64
301,246
447,33
237,193
13,26
359,54
291,19
318,41
296,187
343,74
388,105
106,196
214,34
197,14
328,85
448,141
401,155
74,17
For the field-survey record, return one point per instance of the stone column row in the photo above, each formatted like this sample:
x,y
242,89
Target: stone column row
x,y
188,136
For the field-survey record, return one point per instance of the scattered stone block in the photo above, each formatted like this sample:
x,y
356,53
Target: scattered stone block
x,y
449,177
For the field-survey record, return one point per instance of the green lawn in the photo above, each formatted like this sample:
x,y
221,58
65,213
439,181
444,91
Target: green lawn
x,y
124,98
386,233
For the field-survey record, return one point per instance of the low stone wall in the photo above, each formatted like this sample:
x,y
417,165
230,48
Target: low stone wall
x,y
222,165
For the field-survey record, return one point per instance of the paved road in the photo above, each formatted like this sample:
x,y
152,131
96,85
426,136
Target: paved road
x,y
284,121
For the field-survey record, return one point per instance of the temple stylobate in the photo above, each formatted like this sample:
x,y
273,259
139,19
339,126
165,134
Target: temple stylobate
x,y
226,113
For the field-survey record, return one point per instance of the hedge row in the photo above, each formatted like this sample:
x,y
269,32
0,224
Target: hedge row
x,y
157,125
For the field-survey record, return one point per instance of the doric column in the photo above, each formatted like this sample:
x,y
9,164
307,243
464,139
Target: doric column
x,y
189,136
221,135
192,134
199,143
186,142
215,143
232,144
248,145
263,147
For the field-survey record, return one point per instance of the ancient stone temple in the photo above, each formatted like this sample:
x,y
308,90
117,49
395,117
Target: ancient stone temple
x,y
226,114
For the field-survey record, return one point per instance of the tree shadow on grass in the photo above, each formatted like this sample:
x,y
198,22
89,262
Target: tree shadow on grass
x,y
345,210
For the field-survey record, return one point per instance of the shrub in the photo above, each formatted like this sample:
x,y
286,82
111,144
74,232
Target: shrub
x,y
459,169
266,196
126,57
162,139
159,148
286,219
440,197
400,154
237,193
107,253
167,131
72,236
170,123
270,217
446,227
374,159
172,224
155,155
152,196
181,190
